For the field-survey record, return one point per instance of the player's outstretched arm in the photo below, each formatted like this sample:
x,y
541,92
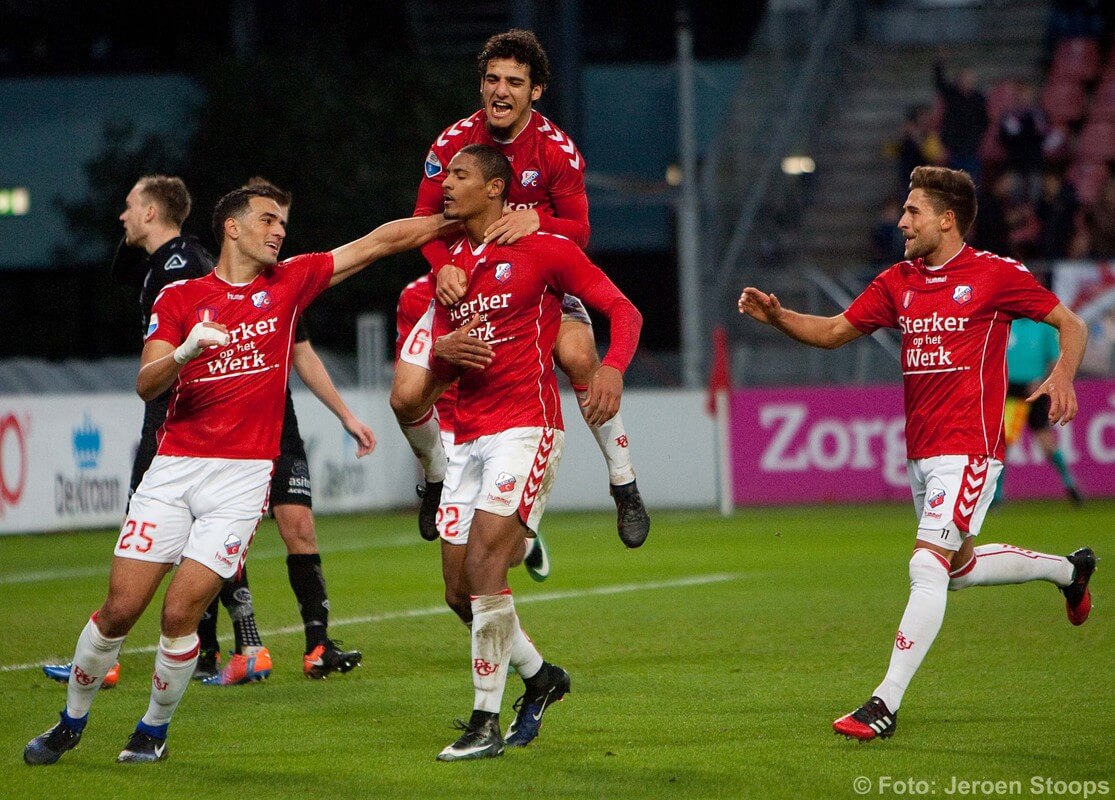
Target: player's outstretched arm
x,y
161,361
826,332
387,239
1073,338
312,371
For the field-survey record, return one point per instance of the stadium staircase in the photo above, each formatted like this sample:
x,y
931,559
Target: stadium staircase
x,y
854,174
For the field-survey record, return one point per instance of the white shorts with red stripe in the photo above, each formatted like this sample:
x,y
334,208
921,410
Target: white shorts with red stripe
x,y
952,495
511,472
419,342
204,509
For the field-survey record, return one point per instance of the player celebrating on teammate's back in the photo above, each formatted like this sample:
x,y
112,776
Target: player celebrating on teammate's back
x,y
498,339
223,342
954,306
547,194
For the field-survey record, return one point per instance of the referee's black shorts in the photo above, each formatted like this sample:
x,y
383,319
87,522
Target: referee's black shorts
x,y
1037,418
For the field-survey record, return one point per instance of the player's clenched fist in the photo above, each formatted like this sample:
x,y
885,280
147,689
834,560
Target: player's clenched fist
x,y
202,335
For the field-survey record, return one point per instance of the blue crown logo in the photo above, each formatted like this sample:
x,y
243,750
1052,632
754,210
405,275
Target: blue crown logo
x,y
87,444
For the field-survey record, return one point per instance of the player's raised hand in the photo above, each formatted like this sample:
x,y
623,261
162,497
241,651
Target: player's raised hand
x,y
463,349
513,226
759,305
1062,398
452,283
605,388
202,336
365,439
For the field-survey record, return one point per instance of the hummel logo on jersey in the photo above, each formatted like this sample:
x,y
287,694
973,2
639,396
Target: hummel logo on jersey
x,y
529,177
962,294
941,279
433,165
174,262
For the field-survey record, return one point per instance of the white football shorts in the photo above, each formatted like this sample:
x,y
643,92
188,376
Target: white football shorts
x,y
419,342
572,309
205,509
952,495
511,472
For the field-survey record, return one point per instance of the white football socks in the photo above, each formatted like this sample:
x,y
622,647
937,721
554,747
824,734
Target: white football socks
x,y
611,438
997,564
524,656
424,437
93,658
174,665
493,630
925,611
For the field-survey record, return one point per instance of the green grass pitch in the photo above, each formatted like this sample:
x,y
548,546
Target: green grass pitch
x,y
710,663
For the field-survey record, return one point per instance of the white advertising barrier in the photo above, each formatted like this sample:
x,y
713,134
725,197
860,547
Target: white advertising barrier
x,y
65,461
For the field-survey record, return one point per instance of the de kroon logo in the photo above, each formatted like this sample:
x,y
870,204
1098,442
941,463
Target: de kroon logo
x,y
86,490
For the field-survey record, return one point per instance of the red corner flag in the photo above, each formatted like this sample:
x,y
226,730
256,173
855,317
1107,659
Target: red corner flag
x,y
720,374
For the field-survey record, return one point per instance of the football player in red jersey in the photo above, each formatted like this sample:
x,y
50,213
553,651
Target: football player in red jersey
x,y
222,343
547,193
954,306
497,342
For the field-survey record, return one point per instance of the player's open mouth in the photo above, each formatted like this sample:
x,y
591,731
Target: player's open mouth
x,y
273,246
500,109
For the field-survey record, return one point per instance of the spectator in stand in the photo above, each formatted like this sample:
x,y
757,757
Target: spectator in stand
x,y
1022,131
964,119
919,145
1099,225
887,241
990,232
1056,209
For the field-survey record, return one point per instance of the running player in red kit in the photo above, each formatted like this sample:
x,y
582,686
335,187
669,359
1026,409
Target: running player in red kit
x,y
546,194
953,306
498,340
223,344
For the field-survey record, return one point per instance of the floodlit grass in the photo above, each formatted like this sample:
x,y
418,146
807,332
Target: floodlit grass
x,y
710,663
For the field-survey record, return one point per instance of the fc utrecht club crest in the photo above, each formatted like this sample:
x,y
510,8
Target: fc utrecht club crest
x,y
206,314
962,294
503,271
529,177
232,544
433,165
505,482
261,299
907,298
936,497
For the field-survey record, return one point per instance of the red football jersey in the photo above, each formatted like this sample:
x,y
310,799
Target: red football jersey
x,y
548,170
413,303
228,402
955,323
517,289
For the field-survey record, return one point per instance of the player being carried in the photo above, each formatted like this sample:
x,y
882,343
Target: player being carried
x,y
223,344
953,306
497,339
547,193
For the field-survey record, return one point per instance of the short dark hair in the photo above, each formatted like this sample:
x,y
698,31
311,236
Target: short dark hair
x,y
522,46
170,194
257,180
236,202
948,190
493,164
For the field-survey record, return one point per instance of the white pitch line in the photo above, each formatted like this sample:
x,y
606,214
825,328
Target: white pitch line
x,y
262,555
412,613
